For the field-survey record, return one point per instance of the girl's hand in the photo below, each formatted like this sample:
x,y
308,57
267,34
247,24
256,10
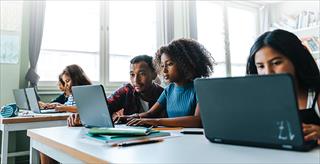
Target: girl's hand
x,y
43,105
124,118
311,132
52,105
143,122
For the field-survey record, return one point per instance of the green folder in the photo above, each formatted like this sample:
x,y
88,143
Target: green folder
x,y
122,138
134,131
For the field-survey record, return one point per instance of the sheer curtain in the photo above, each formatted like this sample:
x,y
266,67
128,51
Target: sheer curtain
x,y
37,12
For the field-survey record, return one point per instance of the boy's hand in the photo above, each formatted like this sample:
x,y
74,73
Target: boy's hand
x,y
74,120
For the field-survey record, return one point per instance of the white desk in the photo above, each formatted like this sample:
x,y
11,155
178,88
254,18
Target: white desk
x,y
67,145
23,123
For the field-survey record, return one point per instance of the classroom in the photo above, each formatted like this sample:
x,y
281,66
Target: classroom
x,y
159,81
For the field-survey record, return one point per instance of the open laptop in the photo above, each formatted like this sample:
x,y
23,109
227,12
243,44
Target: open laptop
x,y
21,99
33,102
254,110
92,106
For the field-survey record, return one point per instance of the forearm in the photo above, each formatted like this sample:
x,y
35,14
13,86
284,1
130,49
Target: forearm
x,y
186,121
153,112
72,109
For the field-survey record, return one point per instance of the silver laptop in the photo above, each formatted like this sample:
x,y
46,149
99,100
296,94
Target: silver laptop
x,y
92,106
253,110
21,99
33,102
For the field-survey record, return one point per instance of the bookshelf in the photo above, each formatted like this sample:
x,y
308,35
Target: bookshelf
x,y
301,18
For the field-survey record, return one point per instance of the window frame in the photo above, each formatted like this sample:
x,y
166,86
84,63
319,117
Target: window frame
x,y
162,35
250,6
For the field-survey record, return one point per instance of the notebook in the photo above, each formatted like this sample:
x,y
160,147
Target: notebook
x,y
21,99
254,110
33,102
138,131
111,139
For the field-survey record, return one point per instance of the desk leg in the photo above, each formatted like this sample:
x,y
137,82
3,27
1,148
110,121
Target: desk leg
x,y
34,155
4,146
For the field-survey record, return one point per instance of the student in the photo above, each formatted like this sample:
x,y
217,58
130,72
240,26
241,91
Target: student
x,y
72,75
134,97
61,99
180,63
280,51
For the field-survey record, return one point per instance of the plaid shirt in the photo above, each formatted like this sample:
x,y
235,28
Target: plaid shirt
x,y
128,100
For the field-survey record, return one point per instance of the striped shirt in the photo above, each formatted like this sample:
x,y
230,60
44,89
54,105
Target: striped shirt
x,y
179,100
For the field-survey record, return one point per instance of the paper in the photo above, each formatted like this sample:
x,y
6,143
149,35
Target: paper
x,y
9,48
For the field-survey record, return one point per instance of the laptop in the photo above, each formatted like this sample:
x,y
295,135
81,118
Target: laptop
x,y
254,110
21,99
33,102
92,106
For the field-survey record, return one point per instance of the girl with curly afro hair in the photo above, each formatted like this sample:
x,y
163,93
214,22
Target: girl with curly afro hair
x,y
179,62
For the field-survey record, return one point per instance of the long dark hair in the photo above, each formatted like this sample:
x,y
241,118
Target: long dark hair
x,y
289,45
77,75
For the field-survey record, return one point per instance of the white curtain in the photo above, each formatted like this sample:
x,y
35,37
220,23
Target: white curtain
x,y
37,13
264,19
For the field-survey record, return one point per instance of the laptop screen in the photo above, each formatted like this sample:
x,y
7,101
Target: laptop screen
x,y
253,109
21,99
92,105
33,101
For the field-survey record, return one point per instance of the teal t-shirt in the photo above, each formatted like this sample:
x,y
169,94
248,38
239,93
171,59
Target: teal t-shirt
x,y
179,100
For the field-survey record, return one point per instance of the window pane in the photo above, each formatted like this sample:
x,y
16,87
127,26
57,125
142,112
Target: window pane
x,y
132,32
70,36
219,70
210,28
242,33
238,69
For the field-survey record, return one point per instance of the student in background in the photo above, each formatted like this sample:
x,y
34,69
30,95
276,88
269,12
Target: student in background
x,y
61,99
180,63
134,97
72,75
280,51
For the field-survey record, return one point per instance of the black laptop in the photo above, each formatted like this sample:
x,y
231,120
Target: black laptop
x,y
253,110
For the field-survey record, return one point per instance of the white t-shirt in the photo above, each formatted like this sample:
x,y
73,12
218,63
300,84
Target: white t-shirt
x,y
145,105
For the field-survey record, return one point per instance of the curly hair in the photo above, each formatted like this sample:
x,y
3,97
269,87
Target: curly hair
x,y
192,58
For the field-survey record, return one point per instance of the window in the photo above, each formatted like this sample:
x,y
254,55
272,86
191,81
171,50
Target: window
x,y
227,31
100,36
70,36
132,31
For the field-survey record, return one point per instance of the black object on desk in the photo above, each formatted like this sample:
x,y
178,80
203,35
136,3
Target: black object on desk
x,y
192,132
137,142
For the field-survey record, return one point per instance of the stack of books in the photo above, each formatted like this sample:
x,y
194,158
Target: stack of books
x,y
312,44
119,136
302,20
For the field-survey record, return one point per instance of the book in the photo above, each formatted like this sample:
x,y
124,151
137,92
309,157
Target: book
x,y
111,139
311,43
132,131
